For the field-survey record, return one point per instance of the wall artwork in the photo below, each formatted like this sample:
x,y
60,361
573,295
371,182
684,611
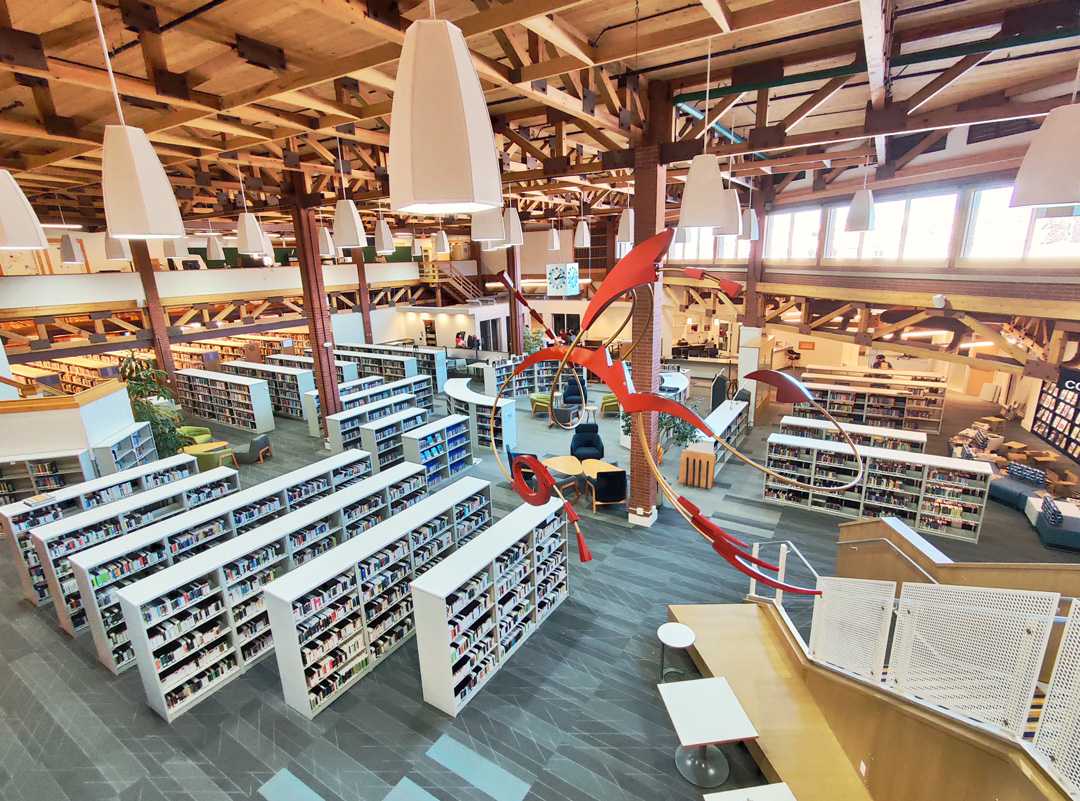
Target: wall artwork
x,y
563,279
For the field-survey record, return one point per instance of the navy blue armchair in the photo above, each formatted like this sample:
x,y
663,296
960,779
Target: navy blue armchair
x,y
586,442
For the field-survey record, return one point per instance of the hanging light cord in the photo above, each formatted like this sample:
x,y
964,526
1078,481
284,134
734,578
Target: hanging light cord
x,y
341,170
708,81
243,194
108,62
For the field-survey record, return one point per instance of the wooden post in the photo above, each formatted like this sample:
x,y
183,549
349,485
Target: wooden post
x,y
159,323
513,271
305,229
753,310
650,196
363,297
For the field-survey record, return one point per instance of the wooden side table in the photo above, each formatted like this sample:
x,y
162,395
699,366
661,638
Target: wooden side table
x,y
697,467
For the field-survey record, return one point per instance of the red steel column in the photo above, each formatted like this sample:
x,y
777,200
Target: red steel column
x,y
650,196
159,323
320,330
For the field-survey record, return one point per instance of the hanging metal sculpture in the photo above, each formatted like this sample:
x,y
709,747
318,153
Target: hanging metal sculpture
x,y
635,277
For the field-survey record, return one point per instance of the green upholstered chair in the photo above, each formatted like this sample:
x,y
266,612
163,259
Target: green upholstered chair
x,y
609,404
197,434
540,402
225,457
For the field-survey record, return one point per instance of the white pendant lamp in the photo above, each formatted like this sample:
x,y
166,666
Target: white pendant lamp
x,y
730,220
249,235
515,236
626,227
442,149
680,236
176,248
268,249
861,212
488,226
384,239
442,243
19,225
117,249
214,250
326,243
1049,175
70,252
751,231
701,200
417,248
582,237
139,200
348,229
553,238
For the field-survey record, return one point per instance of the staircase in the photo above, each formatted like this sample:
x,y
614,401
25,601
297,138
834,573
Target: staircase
x,y
446,275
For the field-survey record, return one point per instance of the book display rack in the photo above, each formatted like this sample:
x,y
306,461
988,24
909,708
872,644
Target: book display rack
x,y
18,519
232,400
339,616
197,625
389,366
729,421
55,543
1057,418
443,447
933,494
101,571
22,477
476,608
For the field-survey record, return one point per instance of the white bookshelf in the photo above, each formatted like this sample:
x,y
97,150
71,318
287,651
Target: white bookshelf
x,y
908,408
79,373
336,618
382,438
129,447
312,407
389,365
343,428
896,439
443,447
730,421
429,361
918,375
231,400
285,384
268,345
55,543
477,407
206,616
226,347
346,371
18,519
936,495
476,608
188,357
101,571
495,373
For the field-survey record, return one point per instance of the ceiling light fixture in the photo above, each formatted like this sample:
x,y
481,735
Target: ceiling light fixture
x,y
515,236
384,239
625,233
488,226
62,226
442,149
553,237
70,252
442,243
582,236
326,243
348,229
214,250
1049,174
139,200
117,249
751,232
417,248
860,215
176,249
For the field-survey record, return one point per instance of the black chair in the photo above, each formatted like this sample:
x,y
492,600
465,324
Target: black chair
x,y
564,416
586,442
526,473
572,391
607,488
742,395
257,450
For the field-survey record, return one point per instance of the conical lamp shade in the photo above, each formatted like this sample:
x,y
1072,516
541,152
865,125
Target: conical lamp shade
x,y
348,230
19,226
515,237
626,226
750,229
860,216
553,238
582,237
214,250
139,200
268,249
680,236
417,249
442,243
442,150
488,247
701,200
730,221
488,226
1049,175
384,240
117,249
70,252
175,248
326,243
249,238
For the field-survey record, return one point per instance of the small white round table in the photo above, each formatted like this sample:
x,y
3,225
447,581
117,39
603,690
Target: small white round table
x,y
673,635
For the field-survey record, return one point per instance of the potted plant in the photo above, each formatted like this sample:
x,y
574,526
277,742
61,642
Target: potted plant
x,y
145,384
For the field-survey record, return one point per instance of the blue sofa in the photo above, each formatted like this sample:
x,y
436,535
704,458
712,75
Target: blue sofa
x,y
1019,484
1055,536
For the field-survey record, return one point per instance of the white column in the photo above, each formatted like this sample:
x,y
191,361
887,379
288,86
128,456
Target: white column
x,y
749,359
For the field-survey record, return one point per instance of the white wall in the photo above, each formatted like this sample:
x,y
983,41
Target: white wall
x,y
534,255
65,429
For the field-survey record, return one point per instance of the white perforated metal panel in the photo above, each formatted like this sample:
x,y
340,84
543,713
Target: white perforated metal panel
x,y
975,651
1058,735
850,628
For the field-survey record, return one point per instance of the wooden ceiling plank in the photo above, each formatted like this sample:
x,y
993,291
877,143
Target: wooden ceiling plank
x,y
721,14
356,14
932,88
819,96
712,115
560,33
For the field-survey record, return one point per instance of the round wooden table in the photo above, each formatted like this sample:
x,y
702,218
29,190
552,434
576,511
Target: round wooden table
x,y
590,467
206,447
567,465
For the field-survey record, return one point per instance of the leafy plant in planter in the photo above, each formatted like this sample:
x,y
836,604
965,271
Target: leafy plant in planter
x,y
144,382
671,430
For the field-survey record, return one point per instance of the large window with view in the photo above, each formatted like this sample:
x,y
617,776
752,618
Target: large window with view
x,y
914,229
996,232
793,235
700,245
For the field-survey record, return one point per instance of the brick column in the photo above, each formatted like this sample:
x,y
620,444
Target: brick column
x,y
159,323
363,297
513,271
305,228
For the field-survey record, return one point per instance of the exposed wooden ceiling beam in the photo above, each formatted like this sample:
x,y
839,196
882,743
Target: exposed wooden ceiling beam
x,y
561,34
934,87
877,21
719,11
819,96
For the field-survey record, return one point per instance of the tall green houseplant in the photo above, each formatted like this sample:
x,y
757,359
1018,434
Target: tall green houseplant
x,y
144,383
